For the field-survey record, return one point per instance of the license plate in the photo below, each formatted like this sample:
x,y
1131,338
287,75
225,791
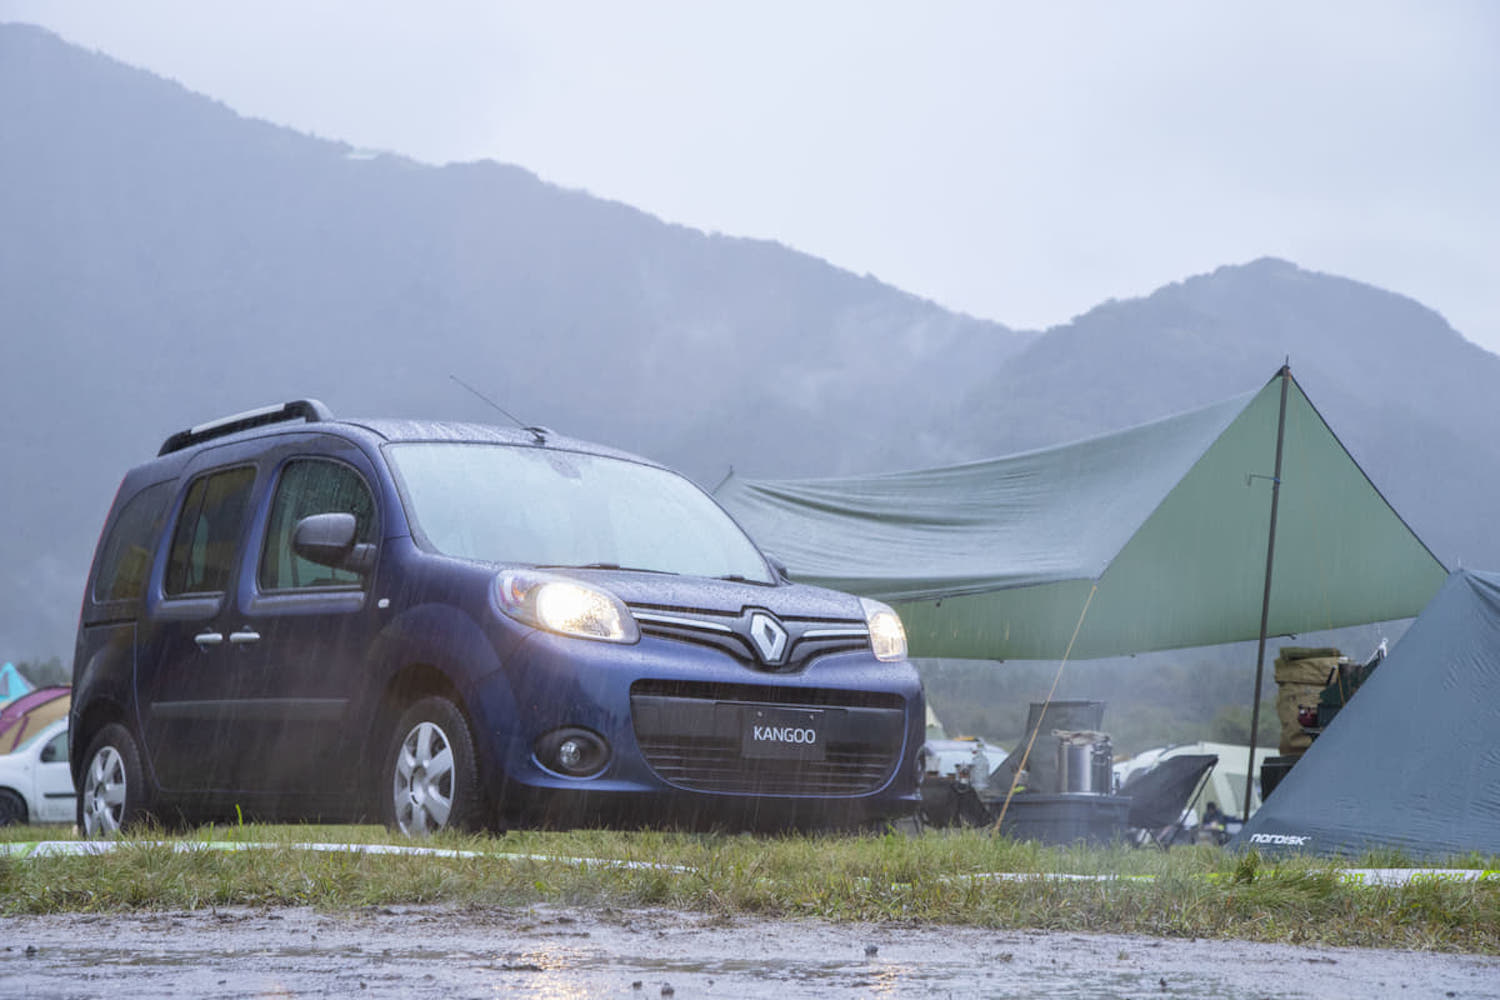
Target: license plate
x,y
783,733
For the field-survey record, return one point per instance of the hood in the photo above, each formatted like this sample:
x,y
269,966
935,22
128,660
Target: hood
x,y
693,593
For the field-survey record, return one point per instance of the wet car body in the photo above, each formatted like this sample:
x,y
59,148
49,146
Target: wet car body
x,y
282,701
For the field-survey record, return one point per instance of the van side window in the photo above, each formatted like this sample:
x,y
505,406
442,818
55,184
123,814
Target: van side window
x,y
208,532
125,561
307,487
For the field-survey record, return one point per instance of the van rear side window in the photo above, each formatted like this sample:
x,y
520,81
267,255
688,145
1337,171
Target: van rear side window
x,y
126,559
208,532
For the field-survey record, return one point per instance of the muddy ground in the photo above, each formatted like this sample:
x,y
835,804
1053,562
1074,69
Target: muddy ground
x,y
553,953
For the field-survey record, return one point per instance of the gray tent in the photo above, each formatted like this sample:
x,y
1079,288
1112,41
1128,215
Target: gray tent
x,y
1411,762
1149,538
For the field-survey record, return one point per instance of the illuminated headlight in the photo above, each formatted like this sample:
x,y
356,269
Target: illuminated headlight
x,y
564,606
887,634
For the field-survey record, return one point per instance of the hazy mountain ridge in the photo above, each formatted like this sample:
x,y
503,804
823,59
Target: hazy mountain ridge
x,y
164,260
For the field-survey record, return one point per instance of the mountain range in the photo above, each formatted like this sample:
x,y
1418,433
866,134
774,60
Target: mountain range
x,y
164,260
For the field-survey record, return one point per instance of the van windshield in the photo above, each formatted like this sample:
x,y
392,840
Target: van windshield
x,y
503,503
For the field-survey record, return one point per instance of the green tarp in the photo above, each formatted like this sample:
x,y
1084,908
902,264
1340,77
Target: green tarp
x,y
1000,559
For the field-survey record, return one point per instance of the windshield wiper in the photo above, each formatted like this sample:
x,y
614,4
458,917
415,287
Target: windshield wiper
x,y
739,578
607,565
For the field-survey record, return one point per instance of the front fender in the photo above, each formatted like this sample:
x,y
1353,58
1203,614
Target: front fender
x,y
440,640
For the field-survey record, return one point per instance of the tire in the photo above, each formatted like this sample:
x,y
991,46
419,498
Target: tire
x,y
12,808
430,781
113,796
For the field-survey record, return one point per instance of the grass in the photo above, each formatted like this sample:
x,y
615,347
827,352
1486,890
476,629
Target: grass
x,y
941,877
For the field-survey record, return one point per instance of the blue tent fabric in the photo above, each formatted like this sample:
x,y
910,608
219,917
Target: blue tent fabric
x,y
1411,763
12,684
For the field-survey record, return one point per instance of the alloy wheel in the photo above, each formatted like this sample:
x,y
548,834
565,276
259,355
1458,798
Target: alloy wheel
x,y
423,781
103,793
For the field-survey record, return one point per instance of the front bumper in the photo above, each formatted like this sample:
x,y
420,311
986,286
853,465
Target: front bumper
x,y
679,721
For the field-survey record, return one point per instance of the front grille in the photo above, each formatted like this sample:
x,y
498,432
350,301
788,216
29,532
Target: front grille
x,y
807,639
716,766
691,735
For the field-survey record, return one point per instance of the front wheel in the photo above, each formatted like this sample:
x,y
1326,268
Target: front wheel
x,y
430,779
12,808
114,795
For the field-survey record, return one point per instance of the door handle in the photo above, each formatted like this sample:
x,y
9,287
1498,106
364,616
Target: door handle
x,y
206,639
243,636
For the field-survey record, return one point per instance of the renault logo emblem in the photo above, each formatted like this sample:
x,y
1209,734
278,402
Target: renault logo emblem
x,y
769,637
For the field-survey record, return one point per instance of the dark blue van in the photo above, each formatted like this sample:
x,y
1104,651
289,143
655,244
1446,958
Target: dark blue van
x,y
458,625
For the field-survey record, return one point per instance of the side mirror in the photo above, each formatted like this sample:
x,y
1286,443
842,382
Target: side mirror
x,y
49,753
780,568
328,540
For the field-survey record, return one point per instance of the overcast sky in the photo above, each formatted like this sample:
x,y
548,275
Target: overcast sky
x,y
1018,161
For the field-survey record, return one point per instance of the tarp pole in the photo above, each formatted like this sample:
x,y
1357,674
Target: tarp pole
x,y
1265,602
1015,779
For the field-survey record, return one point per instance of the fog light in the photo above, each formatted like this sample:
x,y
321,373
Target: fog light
x,y
576,753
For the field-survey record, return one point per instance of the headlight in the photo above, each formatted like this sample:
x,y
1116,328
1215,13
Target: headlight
x,y
564,606
887,634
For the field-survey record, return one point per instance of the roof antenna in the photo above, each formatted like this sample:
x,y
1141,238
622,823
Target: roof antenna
x,y
540,433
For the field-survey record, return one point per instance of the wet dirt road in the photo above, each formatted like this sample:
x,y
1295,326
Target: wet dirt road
x,y
551,953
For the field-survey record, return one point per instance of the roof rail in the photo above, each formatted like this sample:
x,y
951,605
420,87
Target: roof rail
x,y
309,410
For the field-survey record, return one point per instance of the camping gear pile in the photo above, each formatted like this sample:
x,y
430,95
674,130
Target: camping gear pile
x,y
1313,685
1056,786
1301,676
956,772
1346,681
1085,761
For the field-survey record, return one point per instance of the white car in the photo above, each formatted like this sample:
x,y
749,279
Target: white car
x,y
35,784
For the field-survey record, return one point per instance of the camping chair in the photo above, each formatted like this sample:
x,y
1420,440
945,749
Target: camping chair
x,y
1160,798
